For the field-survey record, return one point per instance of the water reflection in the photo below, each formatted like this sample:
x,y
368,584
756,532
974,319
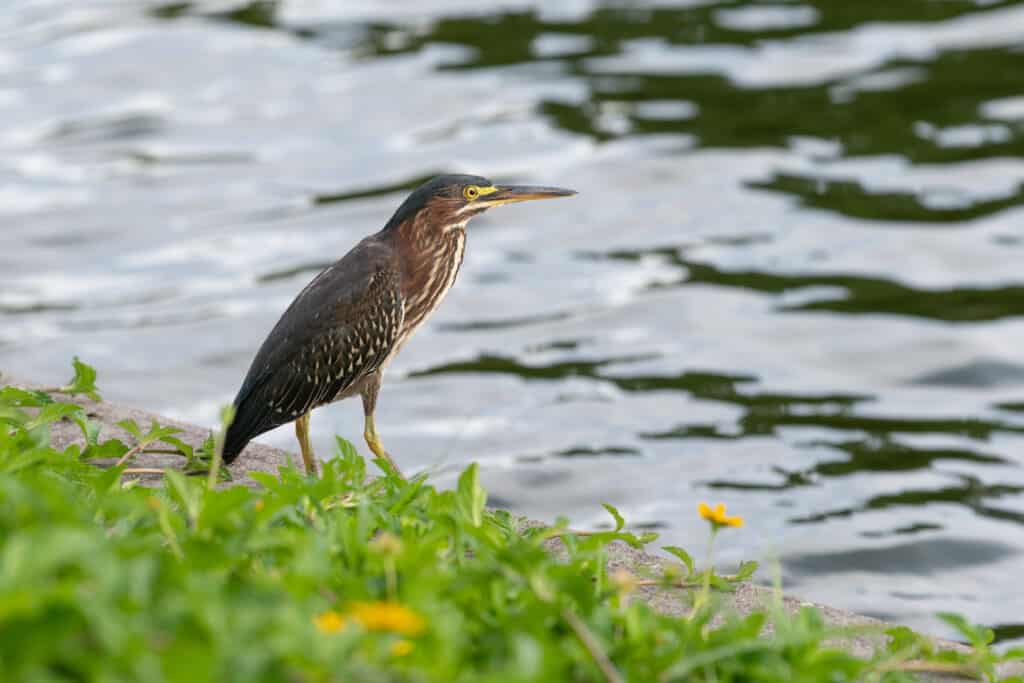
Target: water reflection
x,y
851,198
970,493
913,557
791,279
844,293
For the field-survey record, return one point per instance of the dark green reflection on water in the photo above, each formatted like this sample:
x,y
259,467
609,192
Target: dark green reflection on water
x,y
1005,632
858,294
865,455
905,110
765,412
850,198
970,492
870,455
865,120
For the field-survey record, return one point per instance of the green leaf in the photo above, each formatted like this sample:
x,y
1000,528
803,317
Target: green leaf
x,y
619,521
185,491
182,447
470,496
53,412
746,570
265,479
206,449
682,555
90,430
907,642
647,537
346,449
409,494
352,466
720,584
157,432
131,427
106,480
23,398
84,381
111,448
978,636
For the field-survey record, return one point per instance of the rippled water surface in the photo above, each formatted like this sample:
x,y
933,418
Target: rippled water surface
x,y
791,280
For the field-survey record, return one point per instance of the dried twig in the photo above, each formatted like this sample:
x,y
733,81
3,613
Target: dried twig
x,y
143,470
129,454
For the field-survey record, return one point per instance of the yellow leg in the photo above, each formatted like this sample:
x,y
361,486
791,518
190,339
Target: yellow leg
x,y
302,434
373,441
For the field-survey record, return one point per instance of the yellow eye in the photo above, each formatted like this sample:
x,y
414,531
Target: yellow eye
x,y
471,192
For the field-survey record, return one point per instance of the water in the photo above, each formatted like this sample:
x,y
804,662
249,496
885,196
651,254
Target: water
x,y
791,281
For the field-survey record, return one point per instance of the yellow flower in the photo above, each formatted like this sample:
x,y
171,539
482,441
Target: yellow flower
x,y
387,616
330,622
717,516
401,648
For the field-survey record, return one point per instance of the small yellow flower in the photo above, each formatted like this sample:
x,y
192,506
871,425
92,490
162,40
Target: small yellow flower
x,y
330,622
387,616
401,648
717,516
259,505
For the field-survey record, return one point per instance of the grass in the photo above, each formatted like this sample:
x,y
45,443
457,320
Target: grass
x,y
338,578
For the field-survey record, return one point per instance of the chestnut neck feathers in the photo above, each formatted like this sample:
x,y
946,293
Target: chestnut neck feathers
x,y
430,246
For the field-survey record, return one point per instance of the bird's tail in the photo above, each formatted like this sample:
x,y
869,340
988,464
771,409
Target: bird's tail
x,y
235,441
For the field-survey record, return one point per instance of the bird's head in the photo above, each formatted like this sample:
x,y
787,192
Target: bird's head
x,y
447,202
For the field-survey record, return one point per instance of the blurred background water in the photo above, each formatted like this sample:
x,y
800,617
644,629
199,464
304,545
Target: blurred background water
x,y
791,281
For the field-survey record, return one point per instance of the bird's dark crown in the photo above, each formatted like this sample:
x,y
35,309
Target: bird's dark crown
x,y
448,186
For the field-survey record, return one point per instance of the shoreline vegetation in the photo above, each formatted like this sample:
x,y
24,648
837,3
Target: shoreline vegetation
x,y
115,565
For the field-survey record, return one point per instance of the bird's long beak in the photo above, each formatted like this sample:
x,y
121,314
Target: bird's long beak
x,y
508,194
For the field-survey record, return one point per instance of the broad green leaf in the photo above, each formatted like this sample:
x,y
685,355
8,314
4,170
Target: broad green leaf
x,y
682,555
54,412
346,449
131,427
23,398
746,570
157,432
111,448
978,636
182,447
84,381
471,497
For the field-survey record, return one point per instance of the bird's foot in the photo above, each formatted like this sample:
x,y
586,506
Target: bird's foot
x,y
302,433
373,441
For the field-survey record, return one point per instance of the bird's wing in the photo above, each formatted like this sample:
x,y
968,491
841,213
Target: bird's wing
x,y
339,329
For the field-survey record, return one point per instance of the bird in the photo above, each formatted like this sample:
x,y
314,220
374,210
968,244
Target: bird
x,y
350,321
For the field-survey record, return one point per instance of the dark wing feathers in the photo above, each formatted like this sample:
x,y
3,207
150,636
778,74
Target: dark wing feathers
x,y
339,329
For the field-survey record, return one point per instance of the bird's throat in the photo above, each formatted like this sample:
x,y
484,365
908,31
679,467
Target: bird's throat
x,y
429,268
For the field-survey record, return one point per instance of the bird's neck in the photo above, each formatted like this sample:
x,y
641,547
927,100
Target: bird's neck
x,y
430,260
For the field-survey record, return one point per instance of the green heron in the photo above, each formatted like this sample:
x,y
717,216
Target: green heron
x,y
335,338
